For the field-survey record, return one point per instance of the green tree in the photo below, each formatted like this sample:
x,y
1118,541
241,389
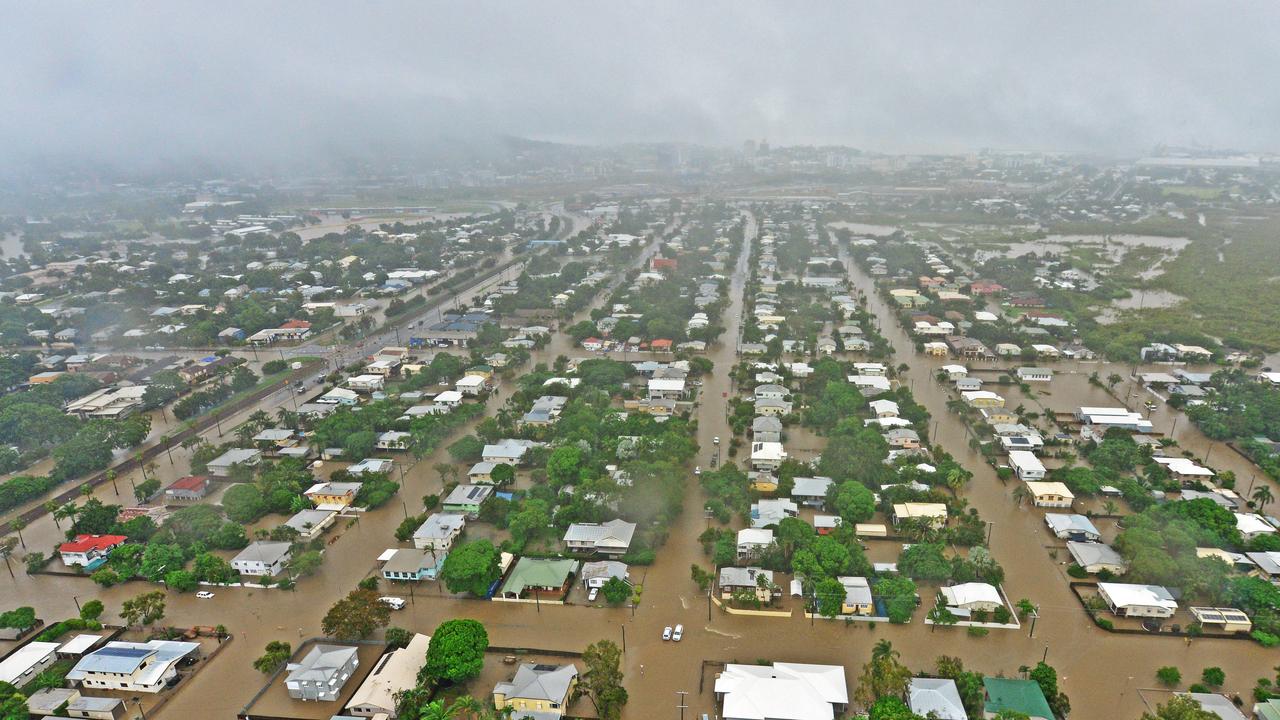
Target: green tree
x,y
529,522
891,708
831,595
92,610
456,652
616,591
180,581
471,567
160,558
502,474
1213,677
852,501
884,675
244,503
276,655
143,609
356,617
305,563
19,618
1169,675
701,576
562,465
398,637
13,706
602,679
1047,678
466,449
1180,707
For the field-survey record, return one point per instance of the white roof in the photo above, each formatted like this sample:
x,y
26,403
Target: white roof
x,y
1126,595
783,691
936,695
394,672
22,660
1252,524
755,536
469,381
972,592
449,396
918,509
768,451
1026,460
664,384
1184,466
971,395
1049,488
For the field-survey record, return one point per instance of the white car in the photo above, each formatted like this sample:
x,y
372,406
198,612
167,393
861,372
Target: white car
x,y
591,596
697,470
666,633
204,594
679,633
394,603
716,440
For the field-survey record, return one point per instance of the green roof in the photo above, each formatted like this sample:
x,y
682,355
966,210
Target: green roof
x,y
1021,695
538,572
1270,710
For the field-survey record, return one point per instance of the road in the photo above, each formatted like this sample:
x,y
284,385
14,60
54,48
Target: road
x,y
1096,667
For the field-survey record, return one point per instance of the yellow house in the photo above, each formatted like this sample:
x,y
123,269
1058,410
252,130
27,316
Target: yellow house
x,y
857,596
998,416
936,349
542,689
335,495
982,399
763,482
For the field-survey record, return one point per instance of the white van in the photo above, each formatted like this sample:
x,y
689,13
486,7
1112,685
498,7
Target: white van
x,y
394,603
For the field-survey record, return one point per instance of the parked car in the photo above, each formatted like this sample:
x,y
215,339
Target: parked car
x,y
666,633
679,633
394,603
204,594
591,596
697,470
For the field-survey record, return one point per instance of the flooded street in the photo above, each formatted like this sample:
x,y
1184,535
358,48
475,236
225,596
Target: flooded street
x,y
1101,672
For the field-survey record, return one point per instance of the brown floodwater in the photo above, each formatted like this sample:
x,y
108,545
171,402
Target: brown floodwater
x,y
1101,672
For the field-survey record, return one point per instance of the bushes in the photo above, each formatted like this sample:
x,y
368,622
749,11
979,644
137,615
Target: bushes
x,y
18,490
57,630
1104,623
1169,675
1077,572
271,367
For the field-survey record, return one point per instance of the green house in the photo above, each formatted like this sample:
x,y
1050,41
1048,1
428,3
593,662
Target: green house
x,y
1023,696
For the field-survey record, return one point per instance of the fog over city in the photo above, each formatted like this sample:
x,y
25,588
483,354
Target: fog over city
x,y
138,83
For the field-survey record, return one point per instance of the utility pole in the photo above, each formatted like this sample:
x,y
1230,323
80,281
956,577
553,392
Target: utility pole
x,y
624,637
682,706
1035,615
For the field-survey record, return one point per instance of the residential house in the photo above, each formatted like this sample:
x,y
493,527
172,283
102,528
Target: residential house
x,y
1096,557
467,499
766,428
439,531
609,538
754,579
1050,494
332,495
22,665
1129,600
370,465
537,691
321,673
934,513
883,408
510,451
971,597
1026,465
1072,527
935,698
1252,525
1012,696
410,565
811,491
772,407
311,524
857,596
752,542
782,691
982,399
1034,374
539,575
367,383
131,666
767,456
771,511
596,574
903,438
394,673
89,551
262,558
222,465
471,385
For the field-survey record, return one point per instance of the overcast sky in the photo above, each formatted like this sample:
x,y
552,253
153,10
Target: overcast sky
x,y
273,82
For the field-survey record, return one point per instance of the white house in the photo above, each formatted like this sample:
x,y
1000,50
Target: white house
x,y
972,596
439,531
1026,465
132,667
25,663
767,456
471,385
366,383
782,691
262,558
1138,600
752,541
609,538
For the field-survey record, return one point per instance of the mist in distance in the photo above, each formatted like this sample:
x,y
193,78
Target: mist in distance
x,y
261,86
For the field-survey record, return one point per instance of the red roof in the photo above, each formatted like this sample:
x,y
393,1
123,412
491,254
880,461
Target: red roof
x,y
190,482
660,343
85,543
295,325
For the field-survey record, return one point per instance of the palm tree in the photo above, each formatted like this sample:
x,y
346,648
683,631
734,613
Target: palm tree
x,y
1110,507
67,511
86,490
18,524
111,478
884,650
1262,495
1021,493
51,507
1113,380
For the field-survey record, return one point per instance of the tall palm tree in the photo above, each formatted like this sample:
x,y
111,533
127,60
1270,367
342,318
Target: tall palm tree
x,y
1262,495
18,525
1021,493
1110,507
51,507
86,490
884,650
